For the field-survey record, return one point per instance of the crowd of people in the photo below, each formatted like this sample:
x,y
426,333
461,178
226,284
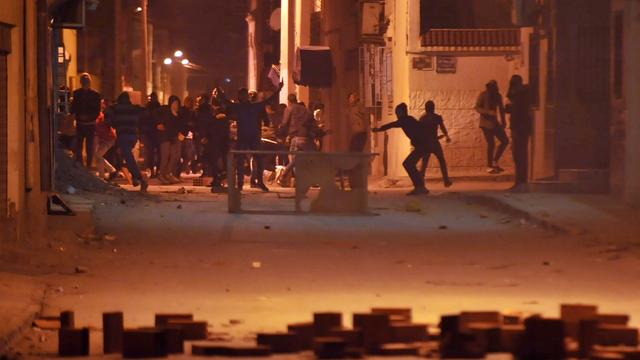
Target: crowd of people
x,y
195,135
192,136
425,141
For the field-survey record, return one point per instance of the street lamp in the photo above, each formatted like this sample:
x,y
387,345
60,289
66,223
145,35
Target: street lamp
x,y
185,62
178,53
168,61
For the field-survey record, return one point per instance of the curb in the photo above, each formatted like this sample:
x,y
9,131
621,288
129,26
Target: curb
x,y
9,339
496,204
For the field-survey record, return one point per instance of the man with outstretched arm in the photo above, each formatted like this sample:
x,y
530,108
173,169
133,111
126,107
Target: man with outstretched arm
x,y
414,132
249,119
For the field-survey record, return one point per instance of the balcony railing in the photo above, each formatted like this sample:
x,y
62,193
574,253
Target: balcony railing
x,y
472,39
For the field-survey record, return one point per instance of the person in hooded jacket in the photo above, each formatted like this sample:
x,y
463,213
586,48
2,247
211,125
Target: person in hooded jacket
x,y
170,136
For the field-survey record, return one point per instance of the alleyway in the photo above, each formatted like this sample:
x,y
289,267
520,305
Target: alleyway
x,y
245,273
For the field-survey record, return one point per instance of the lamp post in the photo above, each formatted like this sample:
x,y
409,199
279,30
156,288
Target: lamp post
x,y
176,65
145,45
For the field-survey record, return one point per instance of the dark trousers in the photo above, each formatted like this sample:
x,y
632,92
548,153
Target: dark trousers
x,y
217,156
493,156
126,143
410,165
84,137
256,161
169,156
358,142
151,153
520,149
435,149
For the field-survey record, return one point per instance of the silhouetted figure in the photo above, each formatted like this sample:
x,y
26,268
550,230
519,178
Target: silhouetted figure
x,y
415,132
249,117
86,109
104,140
124,117
214,131
431,122
170,137
489,105
519,108
149,134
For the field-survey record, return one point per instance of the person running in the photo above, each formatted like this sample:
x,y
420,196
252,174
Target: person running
x,y
519,108
86,109
431,122
170,137
298,122
489,105
413,130
248,118
124,117
105,139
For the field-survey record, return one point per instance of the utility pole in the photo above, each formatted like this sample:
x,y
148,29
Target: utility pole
x,y
145,48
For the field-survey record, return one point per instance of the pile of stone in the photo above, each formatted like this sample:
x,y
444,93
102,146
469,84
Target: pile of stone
x,y
580,332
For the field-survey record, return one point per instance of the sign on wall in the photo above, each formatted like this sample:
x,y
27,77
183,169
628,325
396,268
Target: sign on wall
x,y
446,64
423,63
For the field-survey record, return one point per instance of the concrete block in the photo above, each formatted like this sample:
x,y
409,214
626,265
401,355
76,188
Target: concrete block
x,y
449,324
587,336
408,333
352,337
329,347
613,319
456,345
485,317
304,332
511,338
543,339
112,328
192,330
163,319
211,349
487,335
67,320
173,337
279,342
394,349
612,335
73,342
325,321
571,314
143,343
395,314
376,330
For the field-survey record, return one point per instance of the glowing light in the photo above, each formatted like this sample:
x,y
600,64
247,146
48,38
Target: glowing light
x,y
168,61
138,9
178,53
227,80
185,61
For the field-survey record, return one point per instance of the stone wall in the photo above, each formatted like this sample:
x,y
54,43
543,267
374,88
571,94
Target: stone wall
x,y
455,97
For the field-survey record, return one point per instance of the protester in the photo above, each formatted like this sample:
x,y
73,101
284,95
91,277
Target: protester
x,y
215,138
430,122
489,105
519,108
188,129
149,135
248,118
124,117
298,122
170,137
104,140
86,108
358,122
414,131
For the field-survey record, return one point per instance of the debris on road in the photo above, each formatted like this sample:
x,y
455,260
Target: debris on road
x,y
81,270
413,206
256,264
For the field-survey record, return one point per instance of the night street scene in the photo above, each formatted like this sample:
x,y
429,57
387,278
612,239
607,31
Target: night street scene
x,y
320,179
